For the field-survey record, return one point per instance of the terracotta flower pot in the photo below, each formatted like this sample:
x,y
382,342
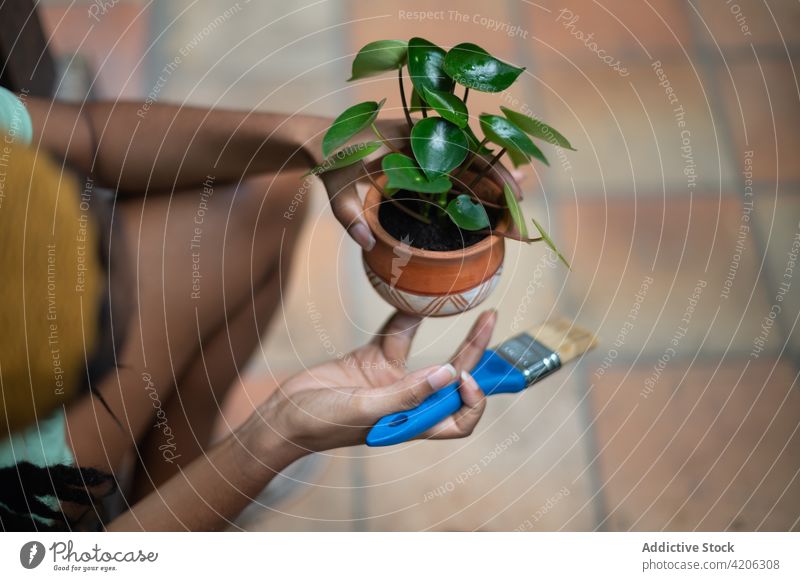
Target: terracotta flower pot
x,y
434,283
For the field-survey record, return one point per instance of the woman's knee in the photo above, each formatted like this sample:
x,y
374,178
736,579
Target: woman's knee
x,y
272,211
276,200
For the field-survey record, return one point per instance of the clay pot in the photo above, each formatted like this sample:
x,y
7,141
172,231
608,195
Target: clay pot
x,y
434,283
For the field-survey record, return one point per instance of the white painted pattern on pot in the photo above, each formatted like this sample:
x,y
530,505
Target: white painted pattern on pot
x,y
433,305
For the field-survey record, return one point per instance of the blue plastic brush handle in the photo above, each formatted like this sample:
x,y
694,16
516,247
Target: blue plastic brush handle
x,y
492,373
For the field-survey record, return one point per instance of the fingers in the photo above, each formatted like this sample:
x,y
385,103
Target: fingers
x,y
462,423
476,342
396,336
346,206
410,391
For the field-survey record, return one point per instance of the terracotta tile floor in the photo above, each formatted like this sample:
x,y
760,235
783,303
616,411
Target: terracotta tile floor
x,y
626,30
759,97
778,226
714,445
663,251
751,22
630,137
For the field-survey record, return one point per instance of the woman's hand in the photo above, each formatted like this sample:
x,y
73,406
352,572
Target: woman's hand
x,y
336,403
341,185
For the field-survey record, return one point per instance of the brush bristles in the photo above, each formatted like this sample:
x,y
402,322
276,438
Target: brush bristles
x,y
565,338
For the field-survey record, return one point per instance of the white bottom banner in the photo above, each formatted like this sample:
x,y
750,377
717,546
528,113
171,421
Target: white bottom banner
x,y
402,556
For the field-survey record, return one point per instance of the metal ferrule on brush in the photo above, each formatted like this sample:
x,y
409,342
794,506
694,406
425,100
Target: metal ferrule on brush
x,y
531,358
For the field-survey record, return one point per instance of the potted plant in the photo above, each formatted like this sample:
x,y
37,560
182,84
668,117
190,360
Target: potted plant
x,y
441,209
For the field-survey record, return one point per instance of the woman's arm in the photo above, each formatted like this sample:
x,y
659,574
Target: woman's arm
x,y
135,147
315,410
213,489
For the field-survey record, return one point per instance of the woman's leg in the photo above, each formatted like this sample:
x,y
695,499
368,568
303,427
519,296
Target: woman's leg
x,y
206,282
193,407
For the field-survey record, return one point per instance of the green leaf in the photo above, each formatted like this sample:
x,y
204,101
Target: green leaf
x,y
536,128
347,156
425,61
378,57
549,242
350,123
515,210
448,106
466,214
404,174
503,132
475,68
438,145
517,158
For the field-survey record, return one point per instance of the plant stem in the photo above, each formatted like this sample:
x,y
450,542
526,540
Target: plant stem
x,y
487,169
424,112
466,94
471,160
403,98
389,198
384,140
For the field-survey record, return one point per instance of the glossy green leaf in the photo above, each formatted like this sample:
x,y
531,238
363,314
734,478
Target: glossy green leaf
x,y
503,132
448,106
466,214
347,156
547,240
438,145
536,128
475,68
425,61
404,174
348,124
516,212
378,57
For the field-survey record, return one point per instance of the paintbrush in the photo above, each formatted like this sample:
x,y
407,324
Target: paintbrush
x,y
512,366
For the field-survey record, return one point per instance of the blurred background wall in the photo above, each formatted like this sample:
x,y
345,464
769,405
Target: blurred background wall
x,y
679,214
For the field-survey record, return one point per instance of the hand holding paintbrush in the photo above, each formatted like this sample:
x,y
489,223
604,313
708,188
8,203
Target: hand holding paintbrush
x,y
515,364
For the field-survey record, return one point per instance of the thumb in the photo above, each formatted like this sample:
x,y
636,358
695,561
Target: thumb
x,y
412,390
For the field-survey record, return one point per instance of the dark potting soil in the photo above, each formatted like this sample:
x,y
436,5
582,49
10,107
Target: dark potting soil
x,y
440,235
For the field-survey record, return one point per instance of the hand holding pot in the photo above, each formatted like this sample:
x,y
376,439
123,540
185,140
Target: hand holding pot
x,y
341,186
335,404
